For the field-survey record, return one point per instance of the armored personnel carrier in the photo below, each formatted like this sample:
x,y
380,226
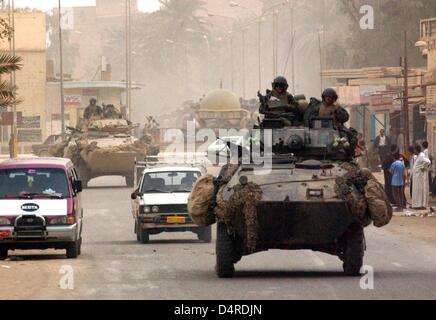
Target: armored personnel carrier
x,y
102,148
308,200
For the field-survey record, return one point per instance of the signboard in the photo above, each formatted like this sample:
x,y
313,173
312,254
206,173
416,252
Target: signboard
x,y
366,91
431,110
349,95
29,135
7,118
381,102
73,101
30,123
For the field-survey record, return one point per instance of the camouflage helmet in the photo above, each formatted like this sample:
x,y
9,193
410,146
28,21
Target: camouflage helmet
x,y
280,81
330,93
341,115
93,101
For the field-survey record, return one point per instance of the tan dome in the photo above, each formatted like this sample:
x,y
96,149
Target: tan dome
x,y
220,100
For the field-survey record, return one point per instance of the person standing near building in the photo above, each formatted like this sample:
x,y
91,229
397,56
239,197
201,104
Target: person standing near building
x,y
412,158
398,171
420,193
386,165
381,144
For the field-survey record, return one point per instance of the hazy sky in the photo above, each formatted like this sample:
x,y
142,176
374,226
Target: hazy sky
x,y
144,5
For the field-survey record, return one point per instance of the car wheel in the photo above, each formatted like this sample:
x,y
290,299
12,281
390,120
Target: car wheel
x,y
137,231
225,252
3,254
354,250
205,234
144,236
73,250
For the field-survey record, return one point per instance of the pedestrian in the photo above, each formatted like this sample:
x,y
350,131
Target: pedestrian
x,y
398,171
427,154
420,194
381,144
386,165
412,158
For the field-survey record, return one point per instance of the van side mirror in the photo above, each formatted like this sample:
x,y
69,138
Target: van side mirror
x,y
78,187
134,195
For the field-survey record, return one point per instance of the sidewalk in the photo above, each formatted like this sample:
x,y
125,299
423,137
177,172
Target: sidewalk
x,y
420,224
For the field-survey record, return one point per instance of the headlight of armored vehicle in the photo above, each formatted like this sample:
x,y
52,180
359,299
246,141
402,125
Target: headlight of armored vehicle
x,y
155,209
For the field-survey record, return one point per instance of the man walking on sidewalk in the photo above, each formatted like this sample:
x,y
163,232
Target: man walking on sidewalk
x,y
398,170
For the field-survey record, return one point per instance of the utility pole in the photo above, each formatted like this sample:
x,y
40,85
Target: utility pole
x,y
128,52
259,47
291,5
406,95
62,73
243,63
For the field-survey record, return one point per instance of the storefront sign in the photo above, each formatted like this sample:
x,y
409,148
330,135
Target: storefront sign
x,y
73,101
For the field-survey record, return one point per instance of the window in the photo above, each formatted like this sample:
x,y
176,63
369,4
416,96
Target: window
x,y
33,183
167,182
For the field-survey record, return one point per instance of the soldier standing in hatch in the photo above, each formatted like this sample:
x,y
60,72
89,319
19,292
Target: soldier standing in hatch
x,y
93,110
279,91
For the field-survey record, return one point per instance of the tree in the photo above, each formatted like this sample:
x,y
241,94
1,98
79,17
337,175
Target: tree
x,y
383,45
8,64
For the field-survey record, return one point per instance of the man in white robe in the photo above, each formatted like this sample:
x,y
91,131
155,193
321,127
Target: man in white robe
x,y
421,190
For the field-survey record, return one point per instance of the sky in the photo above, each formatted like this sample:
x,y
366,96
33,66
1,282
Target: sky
x,y
144,5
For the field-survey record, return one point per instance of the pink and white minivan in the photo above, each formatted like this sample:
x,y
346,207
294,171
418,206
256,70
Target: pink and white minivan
x,y
40,206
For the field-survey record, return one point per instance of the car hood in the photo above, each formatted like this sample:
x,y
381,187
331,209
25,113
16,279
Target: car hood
x,y
151,199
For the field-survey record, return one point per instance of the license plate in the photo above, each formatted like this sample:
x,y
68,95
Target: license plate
x,y
176,220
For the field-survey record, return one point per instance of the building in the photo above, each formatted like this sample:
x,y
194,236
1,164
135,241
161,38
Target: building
x,y
30,42
374,99
427,44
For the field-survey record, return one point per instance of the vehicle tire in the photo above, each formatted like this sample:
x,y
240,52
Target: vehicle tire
x,y
354,250
137,231
144,236
205,234
80,247
3,254
130,181
73,250
225,252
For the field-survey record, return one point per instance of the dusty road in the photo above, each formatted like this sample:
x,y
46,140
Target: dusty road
x,y
176,266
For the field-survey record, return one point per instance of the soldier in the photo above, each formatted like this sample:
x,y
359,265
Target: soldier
x,y
279,92
329,103
93,110
110,112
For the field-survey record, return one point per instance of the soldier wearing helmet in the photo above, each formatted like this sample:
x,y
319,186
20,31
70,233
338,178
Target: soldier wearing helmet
x,y
93,110
280,94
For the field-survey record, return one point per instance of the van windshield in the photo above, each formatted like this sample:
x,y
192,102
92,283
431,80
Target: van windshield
x,y
33,183
169,182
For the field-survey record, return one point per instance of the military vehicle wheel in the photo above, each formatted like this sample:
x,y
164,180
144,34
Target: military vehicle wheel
x,y
225,253
73,250
130,181
83,174
3,254
354,250
205,234
144,236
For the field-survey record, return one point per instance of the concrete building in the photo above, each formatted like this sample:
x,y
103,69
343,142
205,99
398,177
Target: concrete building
x,y
427,45
30,41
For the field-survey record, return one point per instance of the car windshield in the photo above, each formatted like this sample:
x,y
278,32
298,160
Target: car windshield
x,y
167,182
33,183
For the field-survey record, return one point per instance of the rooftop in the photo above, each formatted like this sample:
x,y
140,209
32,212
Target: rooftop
x,y
36,163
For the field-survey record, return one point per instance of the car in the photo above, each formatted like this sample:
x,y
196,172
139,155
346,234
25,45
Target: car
x,y
41,206
160,201
41,150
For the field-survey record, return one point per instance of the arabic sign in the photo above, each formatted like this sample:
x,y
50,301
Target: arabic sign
x,y
73,101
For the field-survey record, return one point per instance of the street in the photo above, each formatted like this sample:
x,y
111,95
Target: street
x,y
177,266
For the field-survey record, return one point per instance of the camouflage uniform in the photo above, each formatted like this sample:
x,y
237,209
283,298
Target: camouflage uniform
x,y
93,110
